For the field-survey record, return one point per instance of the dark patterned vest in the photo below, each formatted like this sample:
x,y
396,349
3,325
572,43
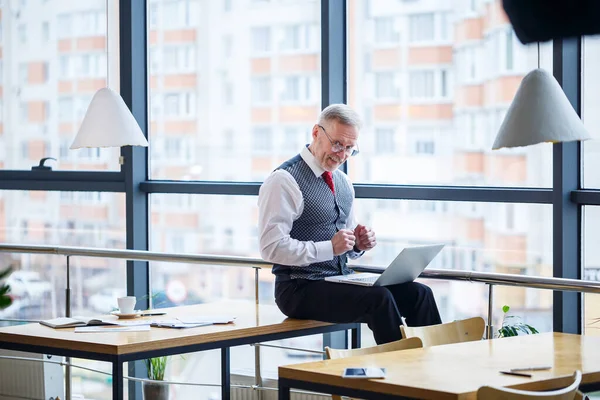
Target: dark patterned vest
x,y
323,215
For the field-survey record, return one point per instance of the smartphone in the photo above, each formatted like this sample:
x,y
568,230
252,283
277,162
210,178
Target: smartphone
x,y
364,373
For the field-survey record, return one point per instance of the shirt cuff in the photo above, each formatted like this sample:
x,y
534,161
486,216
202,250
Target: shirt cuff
x,y
324,250
355,253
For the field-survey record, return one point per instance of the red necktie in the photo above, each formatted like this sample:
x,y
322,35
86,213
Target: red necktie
x,y
328,178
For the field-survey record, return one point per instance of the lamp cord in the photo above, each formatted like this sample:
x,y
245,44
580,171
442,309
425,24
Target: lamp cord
x,y
538,52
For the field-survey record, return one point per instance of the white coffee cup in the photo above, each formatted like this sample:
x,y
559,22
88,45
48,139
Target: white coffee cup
x,y
126,304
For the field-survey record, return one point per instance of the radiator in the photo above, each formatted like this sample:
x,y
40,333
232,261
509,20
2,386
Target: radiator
x,y
268,394
29,379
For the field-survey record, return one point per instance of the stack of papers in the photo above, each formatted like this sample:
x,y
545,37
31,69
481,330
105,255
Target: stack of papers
x,y
193,322
83,324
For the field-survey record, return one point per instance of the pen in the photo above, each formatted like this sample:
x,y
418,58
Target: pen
x,y
530,369
515,374
152,314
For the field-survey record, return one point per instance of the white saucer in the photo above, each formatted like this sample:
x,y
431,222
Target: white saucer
x,y
134,314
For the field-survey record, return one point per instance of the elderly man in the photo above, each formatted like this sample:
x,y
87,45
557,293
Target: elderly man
x,y
308,231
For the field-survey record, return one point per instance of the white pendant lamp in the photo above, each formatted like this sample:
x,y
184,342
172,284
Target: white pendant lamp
x,y
108,123
540,112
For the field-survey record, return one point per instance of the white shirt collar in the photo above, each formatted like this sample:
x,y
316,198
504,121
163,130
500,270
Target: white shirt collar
x,y
309,159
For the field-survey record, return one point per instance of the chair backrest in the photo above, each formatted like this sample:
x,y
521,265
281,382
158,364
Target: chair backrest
x,y
403,344
497,393
465,330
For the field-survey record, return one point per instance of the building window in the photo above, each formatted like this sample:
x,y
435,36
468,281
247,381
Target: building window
x,y
65,109
291,139
24,150
23,73
261,39
262,139
296,37
510,216
227,46
296,88
91,23
385,86
173,147
384,141
384,30
24,112
509,50
228,141
180,58
291,88
64,26
421,27
64,151
153,15
227,93
261,89
421,85
46,71
444,83
425,147
22,34
179,14
45,31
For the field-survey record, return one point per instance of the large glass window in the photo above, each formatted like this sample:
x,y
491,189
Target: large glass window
x,y
487,237
56,55
85,219
247,72
591,269
589,110
82,219
223,225
443,75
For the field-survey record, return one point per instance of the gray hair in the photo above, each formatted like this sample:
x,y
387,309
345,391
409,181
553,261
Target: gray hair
x,y
341,113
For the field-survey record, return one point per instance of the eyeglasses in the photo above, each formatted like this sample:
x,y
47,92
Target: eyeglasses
x,y
336,147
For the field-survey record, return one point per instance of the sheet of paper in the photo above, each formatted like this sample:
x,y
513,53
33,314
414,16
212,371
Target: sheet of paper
x,y
211,319
128,322
112,328
174,323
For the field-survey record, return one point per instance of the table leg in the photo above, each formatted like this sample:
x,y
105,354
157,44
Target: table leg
x,y
355,337
117,379
225,374
284,390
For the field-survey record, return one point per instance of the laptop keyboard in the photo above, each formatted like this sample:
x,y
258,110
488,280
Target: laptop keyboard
x,y
369,279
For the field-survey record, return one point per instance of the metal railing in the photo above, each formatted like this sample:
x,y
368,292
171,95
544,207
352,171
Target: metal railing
x,y
488,278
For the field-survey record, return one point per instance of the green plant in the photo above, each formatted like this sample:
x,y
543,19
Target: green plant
x,y
156,368
5,299
512,325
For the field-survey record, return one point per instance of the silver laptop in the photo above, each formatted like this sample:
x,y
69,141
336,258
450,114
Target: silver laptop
x,y
406,267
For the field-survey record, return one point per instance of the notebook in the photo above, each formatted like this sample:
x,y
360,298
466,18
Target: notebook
x,y
72,322
406,267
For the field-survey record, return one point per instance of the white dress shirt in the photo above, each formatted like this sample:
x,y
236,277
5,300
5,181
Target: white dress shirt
x,y
280,203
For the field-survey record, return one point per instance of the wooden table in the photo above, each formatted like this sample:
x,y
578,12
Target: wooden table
x,y
454,371
254,324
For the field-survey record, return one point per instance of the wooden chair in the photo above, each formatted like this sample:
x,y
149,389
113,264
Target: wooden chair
x,y
403,344
465,330
500,393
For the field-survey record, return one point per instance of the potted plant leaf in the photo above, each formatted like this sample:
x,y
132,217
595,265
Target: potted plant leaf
x,y
154,389
5,299
512,325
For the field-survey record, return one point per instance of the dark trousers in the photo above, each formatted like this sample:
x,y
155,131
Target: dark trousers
x,y
379,307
